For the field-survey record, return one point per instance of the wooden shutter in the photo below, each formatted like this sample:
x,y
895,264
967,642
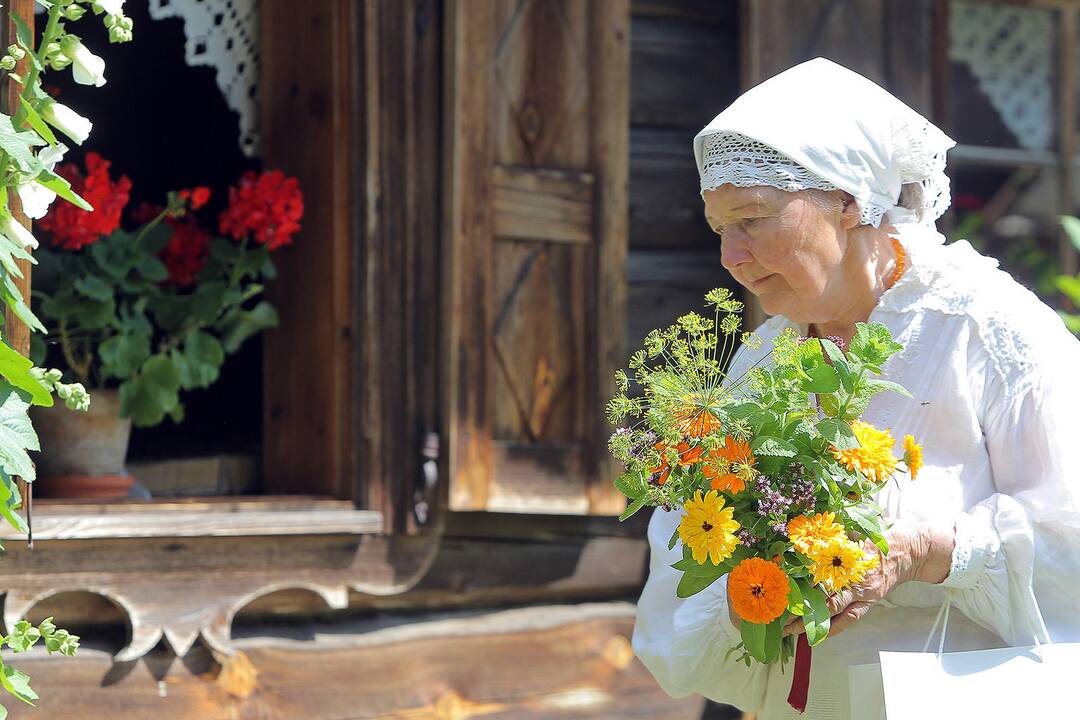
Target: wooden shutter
x,y
534,244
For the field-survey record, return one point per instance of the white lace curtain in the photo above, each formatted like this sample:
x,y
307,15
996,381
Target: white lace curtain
x,y
224,34
1010,52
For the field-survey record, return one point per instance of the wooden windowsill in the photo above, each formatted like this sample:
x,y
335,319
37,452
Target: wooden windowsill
x,y
198,517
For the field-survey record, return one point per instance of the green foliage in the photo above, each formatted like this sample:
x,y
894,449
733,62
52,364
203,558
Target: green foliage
x,y
120,322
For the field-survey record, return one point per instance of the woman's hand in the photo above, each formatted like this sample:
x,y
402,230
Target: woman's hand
x,y
917,551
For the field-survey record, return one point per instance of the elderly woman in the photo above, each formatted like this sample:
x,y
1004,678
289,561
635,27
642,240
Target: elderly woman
x,y
824,189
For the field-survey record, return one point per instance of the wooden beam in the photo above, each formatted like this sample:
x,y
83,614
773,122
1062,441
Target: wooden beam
x,y
555,205
308,131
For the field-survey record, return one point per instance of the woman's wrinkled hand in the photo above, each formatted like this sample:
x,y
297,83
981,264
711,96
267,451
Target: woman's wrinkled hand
x,y
917,551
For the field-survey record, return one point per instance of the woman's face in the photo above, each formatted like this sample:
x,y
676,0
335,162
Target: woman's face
x,y
787,248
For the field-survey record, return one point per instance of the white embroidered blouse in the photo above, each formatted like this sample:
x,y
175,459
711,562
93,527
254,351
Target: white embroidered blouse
x,y
995,380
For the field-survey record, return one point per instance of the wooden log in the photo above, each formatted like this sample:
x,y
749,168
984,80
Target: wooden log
x,y
579,664
665,200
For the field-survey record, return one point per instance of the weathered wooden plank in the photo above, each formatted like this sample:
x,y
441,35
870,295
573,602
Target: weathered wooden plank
x,y
541,204
609,91
396,393
197,523
308,362
580,665
665,202
683,72
466,256
217,475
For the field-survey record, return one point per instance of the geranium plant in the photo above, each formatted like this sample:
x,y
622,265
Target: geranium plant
x,y
155,308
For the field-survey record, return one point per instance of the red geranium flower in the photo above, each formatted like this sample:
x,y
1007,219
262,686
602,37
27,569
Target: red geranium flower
x,y
197,195
186,253
268,206
73,228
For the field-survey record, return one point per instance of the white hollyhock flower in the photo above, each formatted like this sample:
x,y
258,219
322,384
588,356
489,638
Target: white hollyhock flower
x,y
112,7
36,198
15,231
66,120
86,67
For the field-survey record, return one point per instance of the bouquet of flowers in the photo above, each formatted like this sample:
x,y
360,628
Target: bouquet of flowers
x,y
773,470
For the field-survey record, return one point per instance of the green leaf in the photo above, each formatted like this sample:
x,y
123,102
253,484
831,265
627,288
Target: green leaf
x,y
829,405
870,523
873,343
18,145
691,584
16,434
773,446
1069,286
62,188
794,598
838,433
16,370
823,379
753,637
816,619
10,501
774,638
633,508
1072,229
36,122
153,270
94,288
17,683
152,393
674,539
122,355
840,364
247,323
874,386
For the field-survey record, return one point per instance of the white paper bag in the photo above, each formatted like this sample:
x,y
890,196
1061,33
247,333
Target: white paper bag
x,y
1040,681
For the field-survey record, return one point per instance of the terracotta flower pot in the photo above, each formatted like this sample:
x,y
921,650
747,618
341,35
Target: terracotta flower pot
x,y
83,453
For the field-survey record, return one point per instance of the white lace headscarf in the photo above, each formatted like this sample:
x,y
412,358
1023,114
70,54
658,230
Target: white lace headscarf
x,y
820,125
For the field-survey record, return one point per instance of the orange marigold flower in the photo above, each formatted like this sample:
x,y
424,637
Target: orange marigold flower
x,y
912,456
687,457
758,590
874,457
731,466
811,534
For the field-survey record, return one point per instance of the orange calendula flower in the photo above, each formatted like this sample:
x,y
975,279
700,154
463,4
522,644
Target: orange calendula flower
x,y
874,457
912,456
708,528
840,564
758,590
811,534
687,457
731,466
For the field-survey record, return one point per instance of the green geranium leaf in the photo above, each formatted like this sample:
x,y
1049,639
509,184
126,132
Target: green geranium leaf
x,y
151,394
203,356
247,323
94,288
153,270
122,355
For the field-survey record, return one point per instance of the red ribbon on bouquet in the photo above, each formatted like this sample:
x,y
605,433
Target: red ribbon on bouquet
x,y
800,678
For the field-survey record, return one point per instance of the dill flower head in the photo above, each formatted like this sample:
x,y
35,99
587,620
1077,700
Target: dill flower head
x,y
758,590
811,534
912,456
708,528
840,564
874,457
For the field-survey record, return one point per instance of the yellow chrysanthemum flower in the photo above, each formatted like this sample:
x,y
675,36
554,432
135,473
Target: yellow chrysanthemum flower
x,y
912,456
708,528
840,564
810,534
874,457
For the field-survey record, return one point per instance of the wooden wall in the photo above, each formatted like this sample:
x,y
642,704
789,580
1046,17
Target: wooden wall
x,y
684,69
